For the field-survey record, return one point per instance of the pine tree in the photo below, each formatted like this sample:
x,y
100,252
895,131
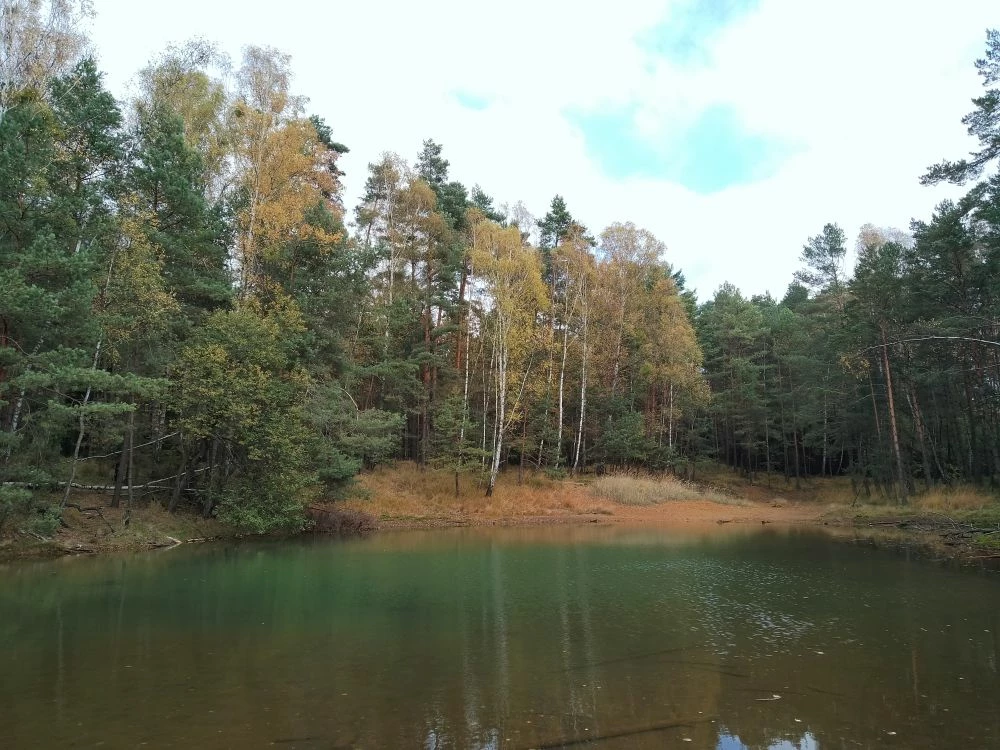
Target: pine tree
x,y
983,123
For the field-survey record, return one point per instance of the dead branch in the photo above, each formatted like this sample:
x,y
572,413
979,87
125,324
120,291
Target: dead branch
x,y
620,733
143,445
92,509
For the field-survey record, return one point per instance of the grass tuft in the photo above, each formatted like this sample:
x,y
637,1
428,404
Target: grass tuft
x,y
954,498
628,490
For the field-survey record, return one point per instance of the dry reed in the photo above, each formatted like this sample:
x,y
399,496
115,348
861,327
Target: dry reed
x,y
629,490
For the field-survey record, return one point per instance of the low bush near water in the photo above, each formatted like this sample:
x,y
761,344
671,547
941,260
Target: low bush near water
x,y
341,521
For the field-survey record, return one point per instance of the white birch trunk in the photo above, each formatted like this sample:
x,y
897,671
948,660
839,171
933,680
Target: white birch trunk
x,y
562,381
670,424
583,391
503,359
80,431
86,397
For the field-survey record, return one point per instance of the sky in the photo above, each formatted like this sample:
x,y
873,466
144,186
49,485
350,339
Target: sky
x,y
732,129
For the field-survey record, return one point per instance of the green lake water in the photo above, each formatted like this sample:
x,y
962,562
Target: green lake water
x,y
598,637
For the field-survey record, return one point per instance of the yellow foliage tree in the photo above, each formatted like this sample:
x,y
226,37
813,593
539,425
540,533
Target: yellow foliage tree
x,y
282,168
511,276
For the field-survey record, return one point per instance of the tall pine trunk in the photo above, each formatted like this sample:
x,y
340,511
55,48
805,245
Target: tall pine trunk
x,y
892,420
122,469
127,515
81,428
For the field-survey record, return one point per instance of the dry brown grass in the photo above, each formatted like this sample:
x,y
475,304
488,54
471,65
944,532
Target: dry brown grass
x,y
630,490
776,488
952,508
840,491
961,497
407,492
826,491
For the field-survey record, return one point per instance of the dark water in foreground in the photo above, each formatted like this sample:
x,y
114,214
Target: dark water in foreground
x,y
516,638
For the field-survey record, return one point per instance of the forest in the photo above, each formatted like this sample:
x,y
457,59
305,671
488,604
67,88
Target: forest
x,y
188,311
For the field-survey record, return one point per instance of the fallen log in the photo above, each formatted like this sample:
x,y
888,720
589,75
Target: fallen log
x,y
621,733
628,658
100,487
173,543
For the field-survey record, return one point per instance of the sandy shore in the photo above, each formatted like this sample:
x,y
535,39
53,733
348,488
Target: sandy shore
x,y
671,514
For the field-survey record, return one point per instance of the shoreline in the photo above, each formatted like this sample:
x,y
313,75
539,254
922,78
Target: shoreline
x,y
403,498
936,546
939,546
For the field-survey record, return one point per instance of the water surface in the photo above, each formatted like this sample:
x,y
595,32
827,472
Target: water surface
x,y
502,638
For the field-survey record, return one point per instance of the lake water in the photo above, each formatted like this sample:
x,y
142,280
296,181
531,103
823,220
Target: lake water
x,y
598,637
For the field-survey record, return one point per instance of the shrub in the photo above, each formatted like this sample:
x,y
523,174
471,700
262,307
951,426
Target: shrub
x,y
13,502
341,521
46,521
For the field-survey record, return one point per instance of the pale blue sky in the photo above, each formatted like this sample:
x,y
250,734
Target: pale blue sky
x,y
732,129
688,30
469,100
706,156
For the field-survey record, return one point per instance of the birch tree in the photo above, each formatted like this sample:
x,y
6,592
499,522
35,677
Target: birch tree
x,y
39,40
511,275
576,271
626,252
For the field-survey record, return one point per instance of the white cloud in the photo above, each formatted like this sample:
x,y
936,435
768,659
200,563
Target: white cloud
x,y
871,93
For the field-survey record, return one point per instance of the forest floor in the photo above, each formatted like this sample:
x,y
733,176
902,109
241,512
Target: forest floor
x,y
404,496
960,523
90,527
